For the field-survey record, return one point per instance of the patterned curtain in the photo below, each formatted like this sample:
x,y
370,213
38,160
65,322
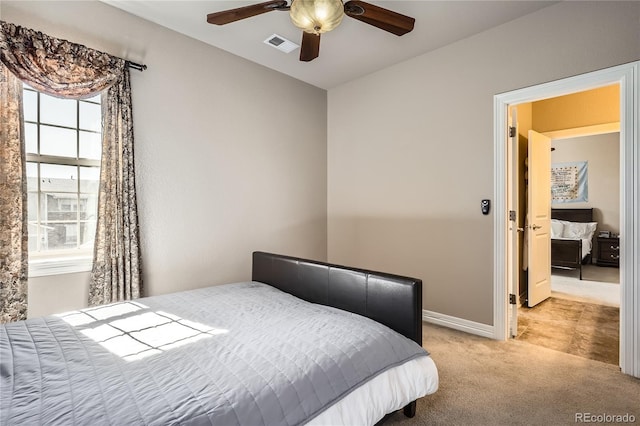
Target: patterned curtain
x,y
64,69
14,250
116,271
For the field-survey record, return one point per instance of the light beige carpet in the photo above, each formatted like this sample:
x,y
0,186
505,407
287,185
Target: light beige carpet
x,y
490,382
599,284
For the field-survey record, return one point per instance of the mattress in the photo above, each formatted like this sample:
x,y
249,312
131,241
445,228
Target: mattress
x,y
242,353
385,393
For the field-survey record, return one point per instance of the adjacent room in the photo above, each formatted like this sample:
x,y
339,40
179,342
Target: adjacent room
x,y
186,184
581,313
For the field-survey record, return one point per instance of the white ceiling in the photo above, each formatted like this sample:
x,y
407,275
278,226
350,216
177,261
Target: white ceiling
x,y
350,51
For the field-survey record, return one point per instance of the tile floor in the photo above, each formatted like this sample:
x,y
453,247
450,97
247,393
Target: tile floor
x,y
587,330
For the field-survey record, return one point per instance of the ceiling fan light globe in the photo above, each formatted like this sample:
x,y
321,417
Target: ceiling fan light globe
x,y
316,16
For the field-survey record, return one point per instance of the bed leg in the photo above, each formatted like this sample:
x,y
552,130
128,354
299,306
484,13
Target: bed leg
x,y
410,409
580,272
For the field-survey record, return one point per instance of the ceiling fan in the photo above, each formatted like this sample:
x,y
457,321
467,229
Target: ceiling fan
x,y
315,17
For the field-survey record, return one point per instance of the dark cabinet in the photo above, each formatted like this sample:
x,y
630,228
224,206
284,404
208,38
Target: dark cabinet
x,y
609,251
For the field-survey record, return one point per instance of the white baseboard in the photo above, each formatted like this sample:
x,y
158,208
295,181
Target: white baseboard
x,y
456,323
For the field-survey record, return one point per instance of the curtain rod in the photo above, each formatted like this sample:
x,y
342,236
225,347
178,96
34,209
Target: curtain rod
x,y
136,66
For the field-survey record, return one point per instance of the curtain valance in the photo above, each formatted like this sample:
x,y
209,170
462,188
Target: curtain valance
x,y
55,66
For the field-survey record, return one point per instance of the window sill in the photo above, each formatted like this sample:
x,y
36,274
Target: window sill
x,y
56,266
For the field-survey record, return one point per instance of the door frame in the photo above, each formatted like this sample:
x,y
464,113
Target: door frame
x,y
627,76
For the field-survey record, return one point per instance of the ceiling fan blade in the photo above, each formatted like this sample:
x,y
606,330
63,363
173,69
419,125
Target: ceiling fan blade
x,y
310,48
379,17
232,15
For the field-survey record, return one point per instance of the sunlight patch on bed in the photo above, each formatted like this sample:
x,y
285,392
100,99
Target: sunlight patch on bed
x,y
132,331
87,316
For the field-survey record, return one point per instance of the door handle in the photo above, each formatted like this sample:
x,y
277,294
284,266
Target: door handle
x,y
534,227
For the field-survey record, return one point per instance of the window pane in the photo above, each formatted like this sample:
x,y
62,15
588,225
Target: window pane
x,y
33,236
85,204
32,176
96,99
88,206
30,105
89,179
32,206
90,116
57,141
58,207
58,236
87,234
58,178
90,145
31,138
61,112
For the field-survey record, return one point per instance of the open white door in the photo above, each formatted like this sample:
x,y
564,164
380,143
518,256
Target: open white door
x,y
539,219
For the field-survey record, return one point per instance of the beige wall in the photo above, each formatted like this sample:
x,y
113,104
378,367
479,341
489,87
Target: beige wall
x,y
602,152
57,293
410,148
230,156
588,108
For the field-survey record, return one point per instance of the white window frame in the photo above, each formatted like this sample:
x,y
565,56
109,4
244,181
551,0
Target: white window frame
x,y
54,262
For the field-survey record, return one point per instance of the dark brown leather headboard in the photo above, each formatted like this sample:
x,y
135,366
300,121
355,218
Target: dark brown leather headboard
x,y
392,300
573,215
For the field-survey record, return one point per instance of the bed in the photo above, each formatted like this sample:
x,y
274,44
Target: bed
x,y
572,233
304,342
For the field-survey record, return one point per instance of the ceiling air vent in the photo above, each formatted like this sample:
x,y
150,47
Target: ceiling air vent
x,y
281,43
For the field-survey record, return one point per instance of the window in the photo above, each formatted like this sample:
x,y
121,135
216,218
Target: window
x,y
63,148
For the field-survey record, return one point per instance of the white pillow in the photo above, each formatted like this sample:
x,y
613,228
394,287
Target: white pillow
x,y
578,230
557,228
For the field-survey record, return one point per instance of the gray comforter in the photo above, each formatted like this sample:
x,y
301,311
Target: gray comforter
x,y
241,353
